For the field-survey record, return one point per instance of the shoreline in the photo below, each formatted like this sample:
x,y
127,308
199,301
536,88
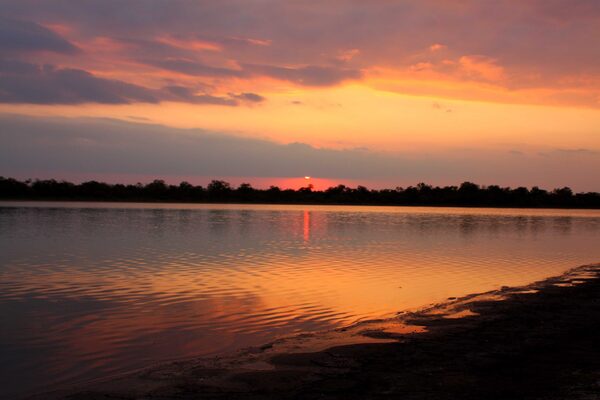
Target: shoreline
x,y
469,344
333,204
164,205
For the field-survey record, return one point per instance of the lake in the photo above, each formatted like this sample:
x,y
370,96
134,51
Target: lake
x,y
93,289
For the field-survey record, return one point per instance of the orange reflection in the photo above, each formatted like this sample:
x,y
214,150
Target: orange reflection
x,y
171,300
306,231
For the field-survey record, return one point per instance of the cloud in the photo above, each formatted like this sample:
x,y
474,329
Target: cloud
x,y
478,66
311,75
53,146
438,106
184,94
18,36
436,47
194,44
421,66
249,97
347,55
539,44
84,145
45,84
22,82
245,41
190,67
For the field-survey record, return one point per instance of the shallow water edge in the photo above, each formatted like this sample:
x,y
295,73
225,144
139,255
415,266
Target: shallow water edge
x,y
306,353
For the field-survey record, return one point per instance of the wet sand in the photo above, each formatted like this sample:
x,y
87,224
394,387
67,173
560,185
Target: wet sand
x,y
541,341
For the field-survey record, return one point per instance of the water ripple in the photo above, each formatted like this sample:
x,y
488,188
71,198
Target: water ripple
x,y
91,290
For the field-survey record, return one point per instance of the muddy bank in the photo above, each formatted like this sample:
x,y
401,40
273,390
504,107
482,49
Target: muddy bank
x,y
536,342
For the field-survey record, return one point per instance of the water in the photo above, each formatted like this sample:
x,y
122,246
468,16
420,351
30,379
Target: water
x,y
90,290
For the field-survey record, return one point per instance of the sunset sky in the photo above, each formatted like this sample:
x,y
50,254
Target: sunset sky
x,y
381,93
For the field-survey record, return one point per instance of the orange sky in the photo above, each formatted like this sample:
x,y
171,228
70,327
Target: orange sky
x,y
418,78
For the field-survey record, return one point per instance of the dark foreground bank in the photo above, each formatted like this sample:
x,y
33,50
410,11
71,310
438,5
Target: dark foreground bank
x,y
539,342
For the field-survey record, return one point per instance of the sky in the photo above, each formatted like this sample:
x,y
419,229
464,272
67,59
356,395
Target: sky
x,y
381,93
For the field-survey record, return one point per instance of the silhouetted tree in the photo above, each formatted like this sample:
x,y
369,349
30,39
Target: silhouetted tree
x,y
467,194
218,190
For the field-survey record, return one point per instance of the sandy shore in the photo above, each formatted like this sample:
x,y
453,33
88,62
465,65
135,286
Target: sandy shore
x,y
541,341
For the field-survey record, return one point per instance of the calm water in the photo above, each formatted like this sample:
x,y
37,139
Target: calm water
x,y
88,290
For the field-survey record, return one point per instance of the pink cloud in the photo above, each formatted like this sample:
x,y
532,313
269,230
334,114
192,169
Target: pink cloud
x,y
437,47
478,66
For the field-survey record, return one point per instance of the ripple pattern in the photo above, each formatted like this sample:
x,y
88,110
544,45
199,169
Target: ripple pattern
x,y
91,290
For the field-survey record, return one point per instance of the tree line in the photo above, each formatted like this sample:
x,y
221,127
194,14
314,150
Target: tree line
x,y
468,194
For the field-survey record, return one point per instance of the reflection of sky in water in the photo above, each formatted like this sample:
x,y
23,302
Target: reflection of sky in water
x,y
85,292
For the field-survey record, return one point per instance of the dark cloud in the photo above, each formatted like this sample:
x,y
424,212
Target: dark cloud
x,y
311,75
22,82
249,97
102,146
44,84
184,94
15,67
18,36
85,144
148,49
194,68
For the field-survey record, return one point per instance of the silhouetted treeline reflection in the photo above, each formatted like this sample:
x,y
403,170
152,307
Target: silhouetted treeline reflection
x,y
467,194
